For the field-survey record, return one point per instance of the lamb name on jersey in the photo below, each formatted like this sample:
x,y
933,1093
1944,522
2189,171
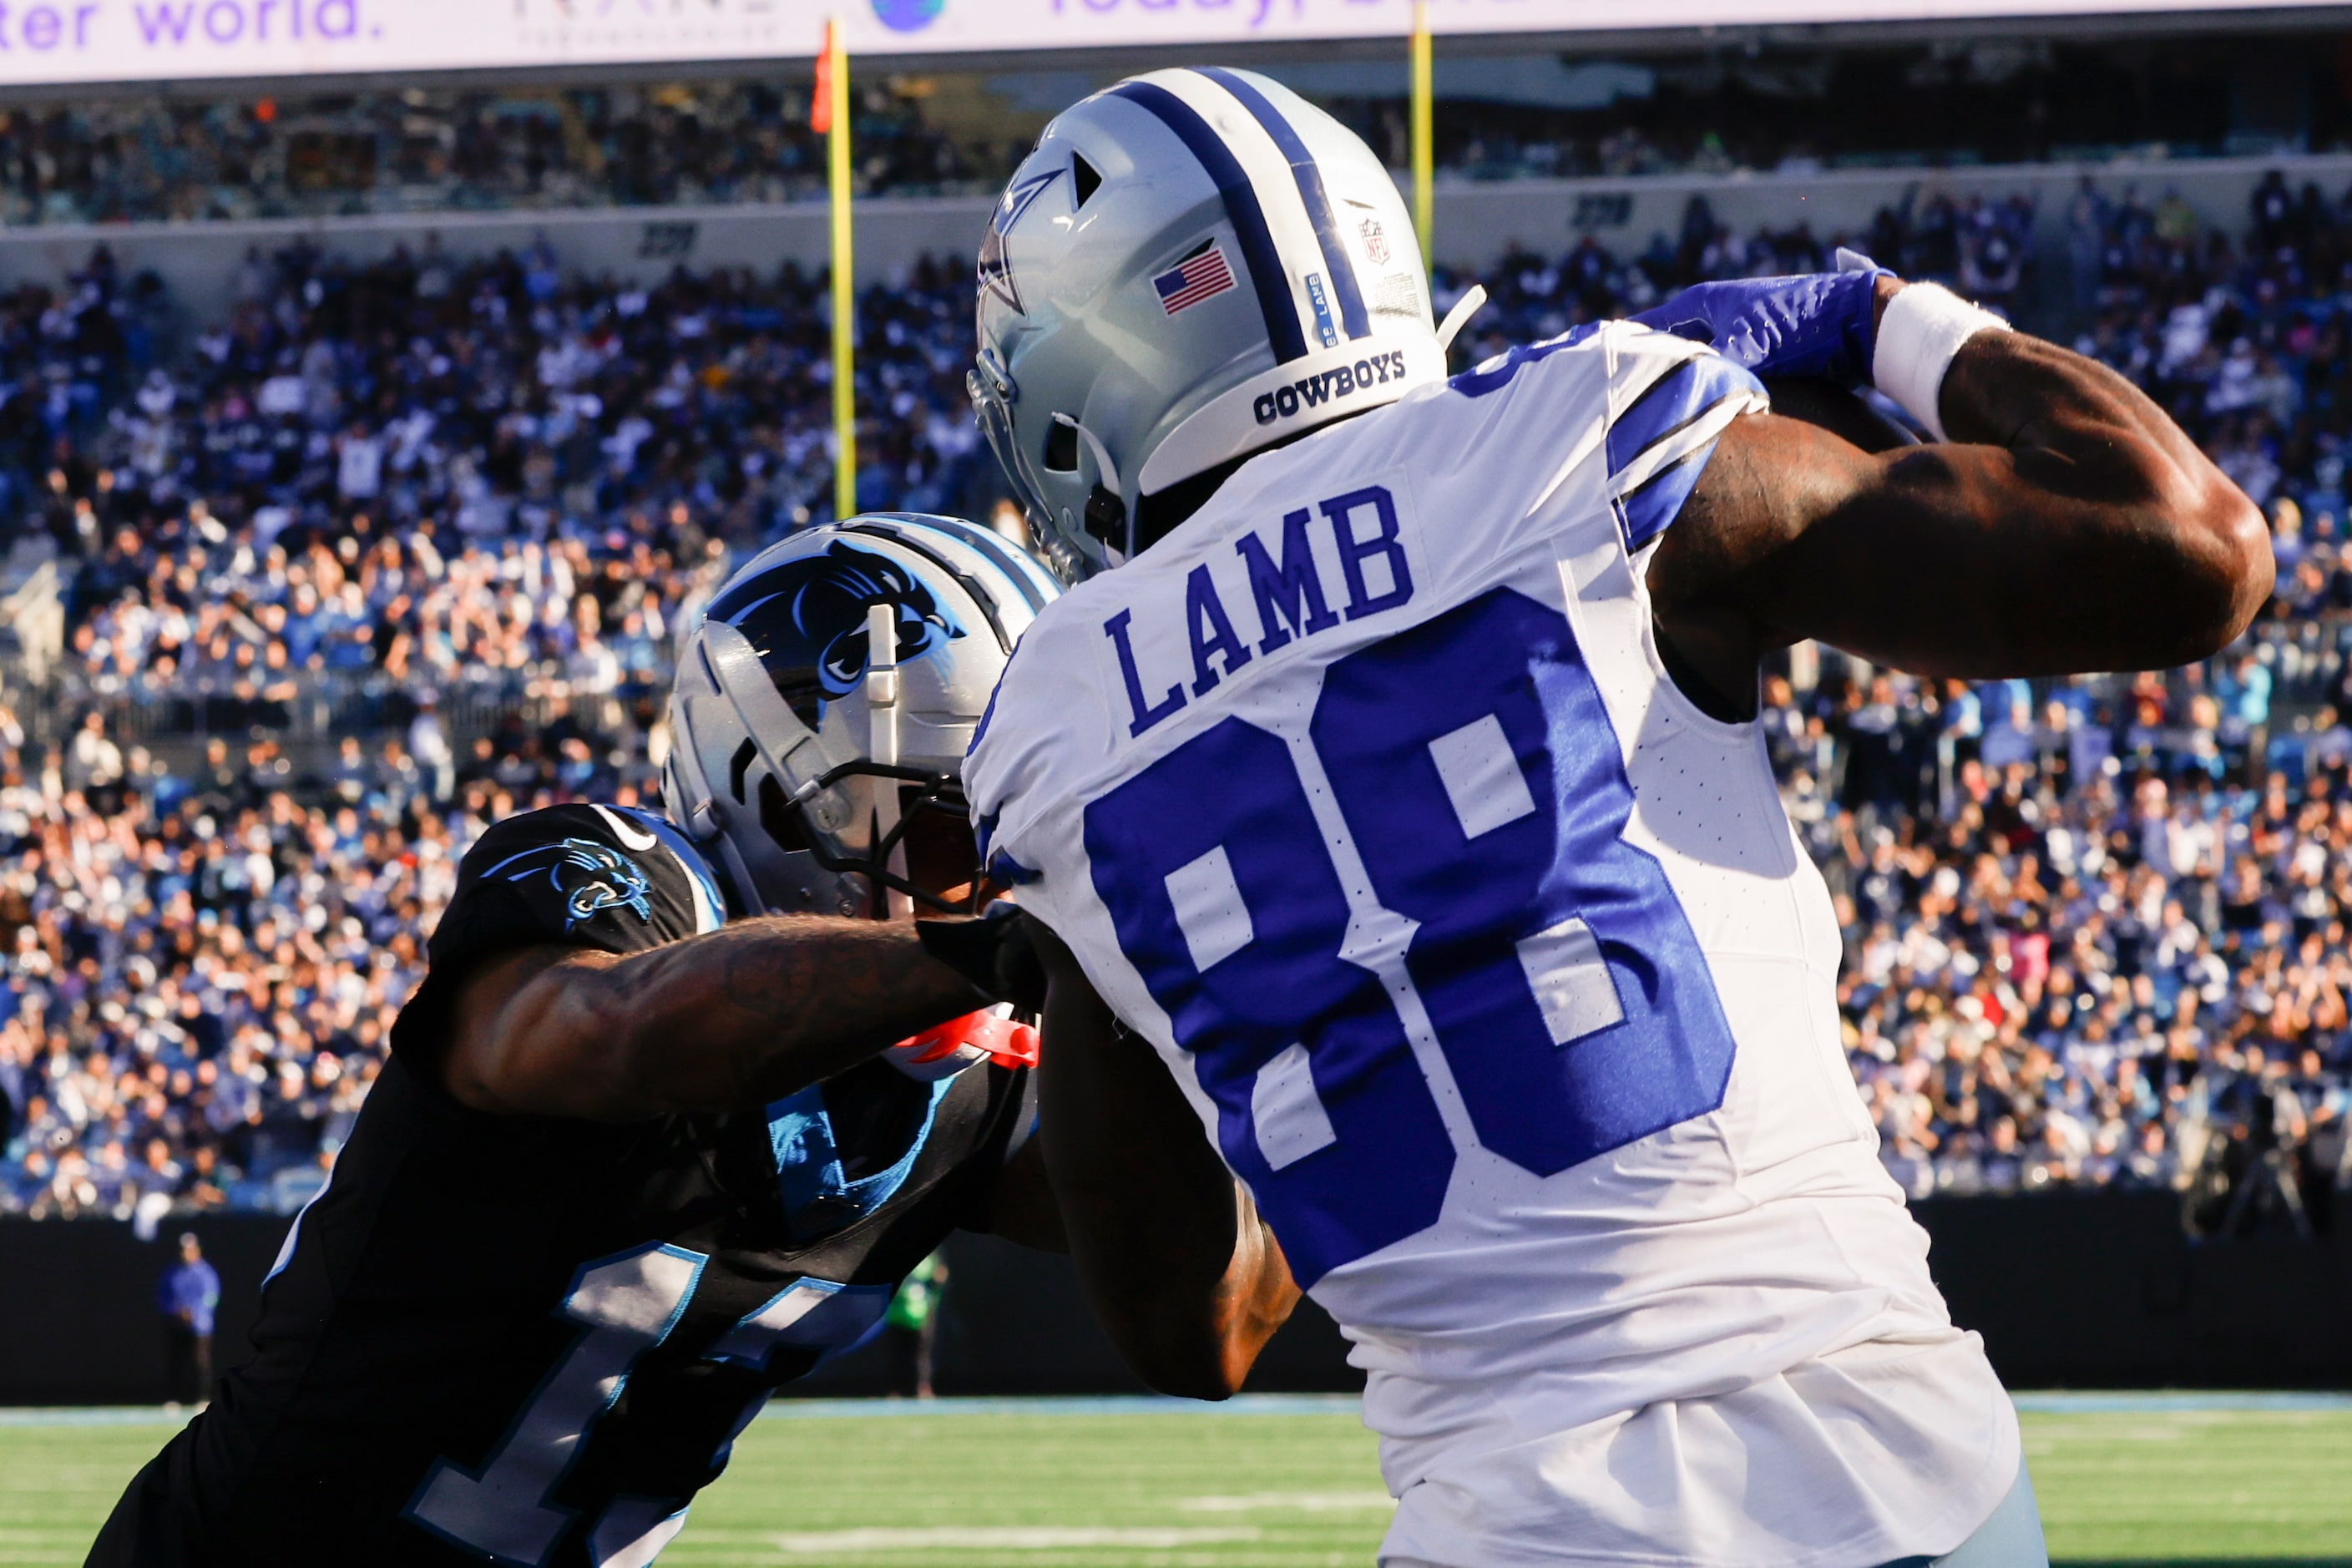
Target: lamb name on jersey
x,y
524,1340
1492,966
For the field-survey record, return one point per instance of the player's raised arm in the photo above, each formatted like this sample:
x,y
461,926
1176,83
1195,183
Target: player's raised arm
x,y
733,1018
1179,1270
2065,524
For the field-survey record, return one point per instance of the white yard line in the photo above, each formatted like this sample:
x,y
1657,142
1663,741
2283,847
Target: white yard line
x,y
1004,1538
1291,1502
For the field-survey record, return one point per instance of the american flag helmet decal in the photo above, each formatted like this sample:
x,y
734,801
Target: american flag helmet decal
x,y
1203,275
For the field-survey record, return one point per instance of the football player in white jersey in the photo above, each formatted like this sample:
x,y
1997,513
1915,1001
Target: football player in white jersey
x,y
1400,822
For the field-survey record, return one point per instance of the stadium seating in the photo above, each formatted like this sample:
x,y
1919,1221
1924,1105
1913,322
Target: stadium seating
x,y
421,151
391,551
1704,110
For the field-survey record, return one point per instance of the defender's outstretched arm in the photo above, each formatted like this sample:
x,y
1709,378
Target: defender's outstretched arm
x,y
725,1021
1177,1266
2068,525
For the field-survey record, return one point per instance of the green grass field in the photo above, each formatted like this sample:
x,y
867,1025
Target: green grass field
x,y
999,1484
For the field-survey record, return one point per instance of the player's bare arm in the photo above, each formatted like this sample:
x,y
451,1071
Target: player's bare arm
x,y
733,1018
2067,525
1179,1270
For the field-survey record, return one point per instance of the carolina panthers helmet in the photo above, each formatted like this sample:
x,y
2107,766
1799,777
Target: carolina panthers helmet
x,y
816,771
1192,265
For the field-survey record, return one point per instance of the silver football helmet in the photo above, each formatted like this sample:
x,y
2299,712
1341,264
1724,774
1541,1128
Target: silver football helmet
x,y
1193,266
816,762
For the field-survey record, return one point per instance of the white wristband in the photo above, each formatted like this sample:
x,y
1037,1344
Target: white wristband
x,y
1924,327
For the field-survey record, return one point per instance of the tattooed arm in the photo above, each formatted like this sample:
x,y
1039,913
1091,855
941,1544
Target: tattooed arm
x,y
731,1019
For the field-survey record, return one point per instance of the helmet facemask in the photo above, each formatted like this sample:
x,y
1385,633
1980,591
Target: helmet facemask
x,y
1107,518
931,846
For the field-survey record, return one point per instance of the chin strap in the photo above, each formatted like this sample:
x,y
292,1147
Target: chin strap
x,y
1456,319
1108,518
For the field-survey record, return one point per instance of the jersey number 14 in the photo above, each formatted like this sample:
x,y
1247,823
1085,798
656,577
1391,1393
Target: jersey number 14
x,y
1474,800
506,1510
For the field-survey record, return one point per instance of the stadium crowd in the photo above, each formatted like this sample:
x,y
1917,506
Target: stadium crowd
x,y
491,399
1711,110
2097,929
108,161
200,966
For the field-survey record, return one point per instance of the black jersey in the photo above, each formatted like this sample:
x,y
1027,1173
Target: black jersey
x,y
530,1341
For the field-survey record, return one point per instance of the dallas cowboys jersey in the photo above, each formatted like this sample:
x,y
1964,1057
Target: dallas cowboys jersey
x,y
1492,966
530,1341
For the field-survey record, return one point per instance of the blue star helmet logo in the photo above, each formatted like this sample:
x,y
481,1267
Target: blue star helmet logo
x,y
995,266
583,876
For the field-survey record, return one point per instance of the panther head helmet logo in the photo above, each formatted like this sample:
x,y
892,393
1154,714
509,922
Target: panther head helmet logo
x,y
808,620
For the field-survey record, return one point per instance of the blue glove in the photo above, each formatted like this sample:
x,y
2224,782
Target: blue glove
x,y
1813,324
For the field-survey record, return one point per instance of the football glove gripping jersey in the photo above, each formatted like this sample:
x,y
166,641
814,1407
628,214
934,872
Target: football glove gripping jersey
x,y
993,953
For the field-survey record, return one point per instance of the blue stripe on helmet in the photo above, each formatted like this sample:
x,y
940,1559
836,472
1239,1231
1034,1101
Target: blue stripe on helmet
x,y
1303,169
1256,240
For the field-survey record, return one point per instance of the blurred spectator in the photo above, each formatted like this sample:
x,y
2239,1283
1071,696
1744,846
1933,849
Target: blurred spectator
x,y
911,1325
188,1294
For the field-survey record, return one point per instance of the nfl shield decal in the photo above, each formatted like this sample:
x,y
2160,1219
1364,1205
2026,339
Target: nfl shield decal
x,y
1376,242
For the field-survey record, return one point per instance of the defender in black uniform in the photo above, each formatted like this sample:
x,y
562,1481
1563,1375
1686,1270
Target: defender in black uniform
x,y
632,1165
530,1338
